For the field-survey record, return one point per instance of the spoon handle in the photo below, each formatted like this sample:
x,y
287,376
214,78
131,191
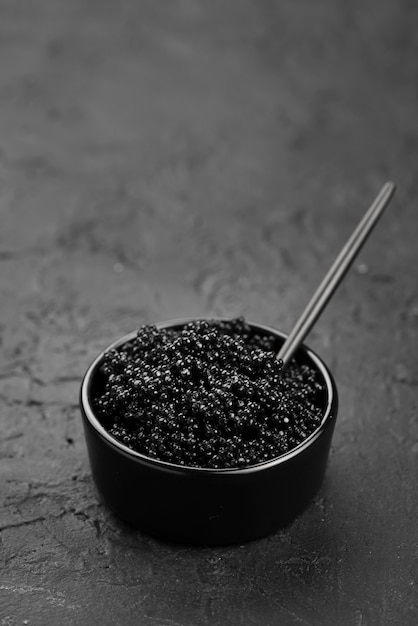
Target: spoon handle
x,y
336,273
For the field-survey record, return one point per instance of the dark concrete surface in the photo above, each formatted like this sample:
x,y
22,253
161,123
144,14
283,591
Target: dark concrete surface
x,y
162,159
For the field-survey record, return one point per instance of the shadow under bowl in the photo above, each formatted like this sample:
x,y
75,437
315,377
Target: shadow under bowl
x,y
199,505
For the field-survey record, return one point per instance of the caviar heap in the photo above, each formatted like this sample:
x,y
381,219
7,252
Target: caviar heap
x,y
210,394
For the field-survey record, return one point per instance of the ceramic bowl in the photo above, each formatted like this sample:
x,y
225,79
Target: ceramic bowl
x,y
200,505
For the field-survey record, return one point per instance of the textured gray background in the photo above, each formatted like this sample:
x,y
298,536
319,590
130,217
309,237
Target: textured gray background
x,y
182,157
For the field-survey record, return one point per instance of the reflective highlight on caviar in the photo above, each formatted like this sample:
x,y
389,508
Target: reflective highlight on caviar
x,y
210,394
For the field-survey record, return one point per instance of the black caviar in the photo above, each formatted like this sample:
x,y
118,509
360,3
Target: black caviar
x,y
210,394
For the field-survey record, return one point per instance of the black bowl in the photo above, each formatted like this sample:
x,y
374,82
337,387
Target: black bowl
x,y
200,505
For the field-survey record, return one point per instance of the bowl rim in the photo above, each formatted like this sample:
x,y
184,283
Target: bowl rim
x,y
88,413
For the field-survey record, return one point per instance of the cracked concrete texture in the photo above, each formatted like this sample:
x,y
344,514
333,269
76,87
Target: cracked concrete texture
x,y
160,160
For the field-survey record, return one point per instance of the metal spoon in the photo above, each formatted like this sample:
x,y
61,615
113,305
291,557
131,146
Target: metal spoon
x,y
335,274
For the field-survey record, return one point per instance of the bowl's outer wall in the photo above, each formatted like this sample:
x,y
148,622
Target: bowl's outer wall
x,y
207,507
